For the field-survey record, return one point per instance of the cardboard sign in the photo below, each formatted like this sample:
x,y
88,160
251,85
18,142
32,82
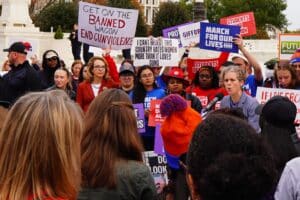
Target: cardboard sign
x,y
158,168
155,52
173,33
193,65
264,94
218,37
155,116
104,27
288,43
140,117
245,20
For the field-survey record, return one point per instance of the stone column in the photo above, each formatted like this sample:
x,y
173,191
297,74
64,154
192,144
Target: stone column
x,y
15,13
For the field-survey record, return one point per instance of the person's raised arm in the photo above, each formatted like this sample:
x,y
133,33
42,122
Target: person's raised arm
x,y
238,40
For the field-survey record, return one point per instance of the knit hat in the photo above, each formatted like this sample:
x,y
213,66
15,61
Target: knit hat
x,y
177,73
295,57
279,111
179,125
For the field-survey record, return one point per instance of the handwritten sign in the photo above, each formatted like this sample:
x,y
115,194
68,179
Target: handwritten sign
x,y
264,94
288,43
173,33
104,27
140,117
155,52
218,37
245,20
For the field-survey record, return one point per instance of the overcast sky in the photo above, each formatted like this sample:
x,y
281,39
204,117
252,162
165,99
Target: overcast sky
x,y
293,14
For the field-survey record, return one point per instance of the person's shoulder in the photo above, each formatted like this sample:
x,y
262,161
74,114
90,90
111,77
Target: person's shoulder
x,y
133,168
294,163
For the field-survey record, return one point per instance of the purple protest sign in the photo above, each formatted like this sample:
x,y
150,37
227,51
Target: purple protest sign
x,y
140,117
218,37
158,143
173,33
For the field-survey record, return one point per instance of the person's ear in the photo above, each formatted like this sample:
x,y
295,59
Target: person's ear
x,y
192,187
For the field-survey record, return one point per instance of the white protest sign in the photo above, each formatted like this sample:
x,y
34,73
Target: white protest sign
x,y
104,27
264,94
190,33
155,51
288,44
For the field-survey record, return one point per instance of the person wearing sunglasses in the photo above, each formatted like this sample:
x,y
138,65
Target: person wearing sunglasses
x,y
50,63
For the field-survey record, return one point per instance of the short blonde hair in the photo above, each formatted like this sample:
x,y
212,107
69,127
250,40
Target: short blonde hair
x,y
40,147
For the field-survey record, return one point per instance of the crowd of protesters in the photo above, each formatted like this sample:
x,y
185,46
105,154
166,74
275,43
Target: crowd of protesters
x,y
72,133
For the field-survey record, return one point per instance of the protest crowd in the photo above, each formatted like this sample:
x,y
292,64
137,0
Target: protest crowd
x,y
159,126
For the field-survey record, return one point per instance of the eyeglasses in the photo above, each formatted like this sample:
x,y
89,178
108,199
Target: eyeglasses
x,y
51,59
99,67
150,75
203,76
297,66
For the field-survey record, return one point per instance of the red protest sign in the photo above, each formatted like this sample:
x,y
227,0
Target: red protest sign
x,y
245,20
193,65
154,115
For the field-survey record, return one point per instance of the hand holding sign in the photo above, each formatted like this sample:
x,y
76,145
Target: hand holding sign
x,y
238,40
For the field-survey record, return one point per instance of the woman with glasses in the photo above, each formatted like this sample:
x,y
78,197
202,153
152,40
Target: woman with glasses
x,y
50,64
205,85
145,91
97,82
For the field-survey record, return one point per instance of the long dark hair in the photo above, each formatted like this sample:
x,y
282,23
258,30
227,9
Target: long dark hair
x,y
139,92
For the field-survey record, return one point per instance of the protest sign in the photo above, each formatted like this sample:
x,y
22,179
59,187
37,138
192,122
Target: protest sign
x,y
193,65
264,94
158,142
189,33
173,33
155,116
245,20
158,168
218,37
155,51
288,43
104,27
140,117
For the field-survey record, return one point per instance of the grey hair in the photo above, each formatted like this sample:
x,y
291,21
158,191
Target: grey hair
x,y
241,75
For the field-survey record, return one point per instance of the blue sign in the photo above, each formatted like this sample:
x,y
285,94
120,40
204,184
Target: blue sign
x,y
218,37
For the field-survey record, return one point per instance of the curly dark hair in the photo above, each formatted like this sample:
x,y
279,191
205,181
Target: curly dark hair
x,y
215,77
228,160
139,91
